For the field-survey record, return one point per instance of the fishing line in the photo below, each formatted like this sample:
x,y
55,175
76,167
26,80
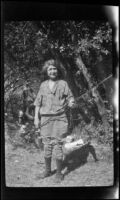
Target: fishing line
x,y
76,99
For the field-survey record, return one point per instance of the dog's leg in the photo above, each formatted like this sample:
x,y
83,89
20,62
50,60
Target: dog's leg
x,y
92,151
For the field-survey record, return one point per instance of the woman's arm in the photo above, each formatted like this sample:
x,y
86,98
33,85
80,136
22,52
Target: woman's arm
x,y
70,97
37,104
36,119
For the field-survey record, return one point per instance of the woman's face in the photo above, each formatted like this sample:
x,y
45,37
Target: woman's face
x,y
52,72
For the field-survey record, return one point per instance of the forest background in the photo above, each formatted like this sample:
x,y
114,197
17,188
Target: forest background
x,y
84,49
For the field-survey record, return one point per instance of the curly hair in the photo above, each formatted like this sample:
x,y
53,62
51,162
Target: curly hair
x,y
57,64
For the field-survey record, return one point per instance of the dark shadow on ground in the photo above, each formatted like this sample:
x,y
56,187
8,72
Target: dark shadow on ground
x,y
79,157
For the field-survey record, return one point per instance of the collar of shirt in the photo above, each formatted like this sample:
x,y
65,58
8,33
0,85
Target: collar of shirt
x,y
54,87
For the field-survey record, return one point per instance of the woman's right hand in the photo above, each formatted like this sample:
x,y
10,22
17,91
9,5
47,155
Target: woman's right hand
x,y
36,122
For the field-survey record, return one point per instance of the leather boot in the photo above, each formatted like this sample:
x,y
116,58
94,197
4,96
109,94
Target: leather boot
x,y
47,171
59,176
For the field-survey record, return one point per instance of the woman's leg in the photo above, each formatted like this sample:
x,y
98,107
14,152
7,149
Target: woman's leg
x,y
47,156
59,160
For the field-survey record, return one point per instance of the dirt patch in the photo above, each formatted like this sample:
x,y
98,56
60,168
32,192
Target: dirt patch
x,y
23,165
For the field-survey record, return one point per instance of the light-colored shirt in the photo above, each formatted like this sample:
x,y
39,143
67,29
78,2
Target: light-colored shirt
x,y
53,101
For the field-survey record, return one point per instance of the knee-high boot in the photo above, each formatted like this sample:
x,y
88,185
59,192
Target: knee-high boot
x,y
59,176
47,171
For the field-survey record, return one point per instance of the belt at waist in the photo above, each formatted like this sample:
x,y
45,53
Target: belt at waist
x,y
52,114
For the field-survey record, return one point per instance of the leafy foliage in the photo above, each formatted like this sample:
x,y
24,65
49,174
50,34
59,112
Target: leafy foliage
x,y
27,44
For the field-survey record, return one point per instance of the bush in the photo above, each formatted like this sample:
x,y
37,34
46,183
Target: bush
x,y
101,132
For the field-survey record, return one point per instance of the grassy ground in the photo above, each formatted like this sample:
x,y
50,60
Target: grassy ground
x,y
23,165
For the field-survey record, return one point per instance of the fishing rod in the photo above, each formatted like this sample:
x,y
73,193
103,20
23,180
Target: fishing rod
x,y
76,99
104,80
101,82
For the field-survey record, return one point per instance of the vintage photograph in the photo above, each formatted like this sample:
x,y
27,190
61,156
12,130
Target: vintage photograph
x,y
58,103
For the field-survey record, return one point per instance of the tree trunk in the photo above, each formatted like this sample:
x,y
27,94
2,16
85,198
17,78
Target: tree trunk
x,y
98,100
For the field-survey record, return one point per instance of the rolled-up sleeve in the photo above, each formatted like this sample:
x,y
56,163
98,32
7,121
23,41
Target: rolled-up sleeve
x,y
38,100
